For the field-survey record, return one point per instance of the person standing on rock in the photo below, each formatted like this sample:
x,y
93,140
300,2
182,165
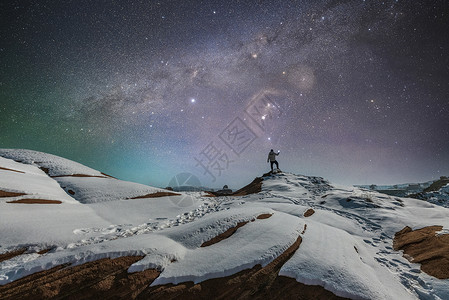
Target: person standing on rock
x,y
272,159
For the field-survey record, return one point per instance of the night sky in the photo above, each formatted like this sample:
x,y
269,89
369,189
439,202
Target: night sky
x,y
353,91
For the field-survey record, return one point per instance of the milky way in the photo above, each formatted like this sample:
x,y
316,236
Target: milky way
x,y
353,91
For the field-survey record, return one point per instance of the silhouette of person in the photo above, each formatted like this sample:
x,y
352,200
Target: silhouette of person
x,y
272,159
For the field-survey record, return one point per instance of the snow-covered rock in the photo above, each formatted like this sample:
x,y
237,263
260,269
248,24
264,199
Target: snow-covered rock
x,y
346,244
56,165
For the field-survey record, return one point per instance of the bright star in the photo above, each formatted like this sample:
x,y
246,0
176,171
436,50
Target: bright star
x,y
192,100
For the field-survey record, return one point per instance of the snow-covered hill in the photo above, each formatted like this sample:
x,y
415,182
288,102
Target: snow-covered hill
x,y
302,229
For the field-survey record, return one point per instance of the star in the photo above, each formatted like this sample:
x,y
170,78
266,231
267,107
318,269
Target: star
x,y
185,73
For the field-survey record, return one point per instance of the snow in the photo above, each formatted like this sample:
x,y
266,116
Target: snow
x,y
81,218
92,189
26,264
139,211
34,182
56,165
346,244
44,225
258,242
343,264
193,234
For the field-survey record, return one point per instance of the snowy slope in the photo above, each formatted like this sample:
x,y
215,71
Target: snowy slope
x,y
81,218
38,224
29,180
83,183
57,166
346,244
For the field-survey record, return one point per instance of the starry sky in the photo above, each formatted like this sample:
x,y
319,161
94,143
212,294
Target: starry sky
x,y
354,91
